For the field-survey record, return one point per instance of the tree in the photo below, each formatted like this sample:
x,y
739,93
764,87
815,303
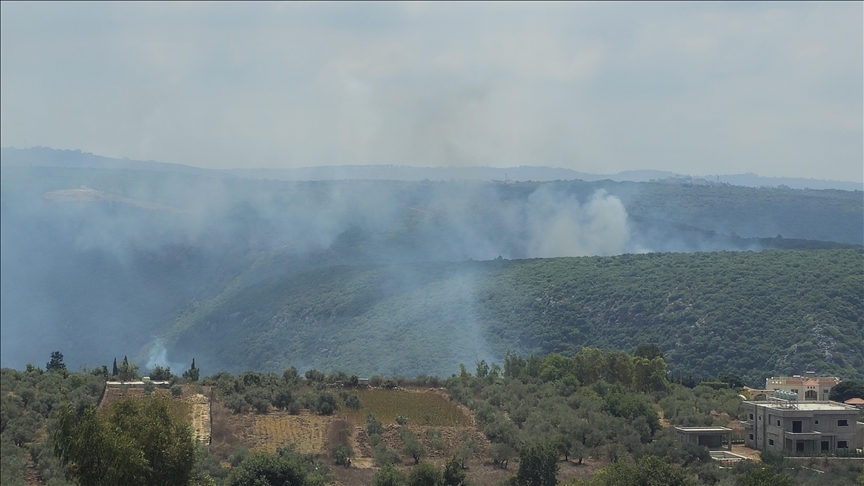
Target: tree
x,y
731,379
314,376
353,402
649,471
538,465
56,363
114,370
342,454
326,404
649,375
411,446
501,454
425,474
261,469
373,425
766,476
283,397
388,476
466,450
845,390
648,351
192,373
564,444
453,473
259,399
138,442
127,371
160,374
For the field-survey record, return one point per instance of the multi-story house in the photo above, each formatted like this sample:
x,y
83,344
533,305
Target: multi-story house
x,y
810,427
808,387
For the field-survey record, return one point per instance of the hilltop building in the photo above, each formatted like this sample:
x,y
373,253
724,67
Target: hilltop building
x,y
807,388
810,427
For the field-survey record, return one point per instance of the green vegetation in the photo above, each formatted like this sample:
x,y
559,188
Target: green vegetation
x,y
592,405
173,254
845,390
137,443
599,406
750,315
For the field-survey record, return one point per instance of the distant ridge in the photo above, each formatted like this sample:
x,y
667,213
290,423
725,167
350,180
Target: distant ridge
x,y
48,157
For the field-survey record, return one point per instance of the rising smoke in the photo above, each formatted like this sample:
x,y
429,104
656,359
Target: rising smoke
x,y
95,263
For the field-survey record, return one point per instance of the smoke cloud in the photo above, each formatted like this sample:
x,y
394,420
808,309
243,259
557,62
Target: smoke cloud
x,y
561,226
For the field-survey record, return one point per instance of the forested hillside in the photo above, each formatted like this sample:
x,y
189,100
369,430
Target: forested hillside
x,y
751,314
97,259
597,418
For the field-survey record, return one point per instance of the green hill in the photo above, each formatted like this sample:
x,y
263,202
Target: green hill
x,y
752,314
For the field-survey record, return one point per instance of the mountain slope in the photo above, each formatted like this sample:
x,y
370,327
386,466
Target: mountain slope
x,y
753,314
97,262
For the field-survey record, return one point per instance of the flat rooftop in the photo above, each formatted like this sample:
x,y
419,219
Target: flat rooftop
x,y
703,429
809,406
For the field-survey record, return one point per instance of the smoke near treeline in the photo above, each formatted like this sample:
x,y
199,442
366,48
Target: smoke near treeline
x,y
102,262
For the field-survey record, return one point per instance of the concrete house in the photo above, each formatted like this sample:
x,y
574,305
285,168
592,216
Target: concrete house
x,y
808,387
810,427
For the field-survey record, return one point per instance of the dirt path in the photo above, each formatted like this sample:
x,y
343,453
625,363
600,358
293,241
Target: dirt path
x,y
201,417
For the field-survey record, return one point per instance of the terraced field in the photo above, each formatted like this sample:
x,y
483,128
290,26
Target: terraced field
x,y
420,407
277,428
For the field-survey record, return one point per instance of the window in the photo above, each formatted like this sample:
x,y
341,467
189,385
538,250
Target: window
x,y
751,436
796,427
842,444
825,445
816,422
794,390
770,441
810,395
778,423
751,416
843,423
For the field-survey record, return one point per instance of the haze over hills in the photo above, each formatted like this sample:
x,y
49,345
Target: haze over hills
x,y
103,256
44,156
751,314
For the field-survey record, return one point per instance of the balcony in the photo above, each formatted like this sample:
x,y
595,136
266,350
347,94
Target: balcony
x,y
804,435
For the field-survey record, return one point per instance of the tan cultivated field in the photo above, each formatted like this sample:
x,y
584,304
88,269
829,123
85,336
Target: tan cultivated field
x,y
422,407
277,428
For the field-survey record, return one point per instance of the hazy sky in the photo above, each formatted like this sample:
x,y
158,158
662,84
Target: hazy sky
x,y
699,88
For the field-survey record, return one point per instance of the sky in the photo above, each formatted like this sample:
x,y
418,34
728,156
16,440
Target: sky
x,y
695,88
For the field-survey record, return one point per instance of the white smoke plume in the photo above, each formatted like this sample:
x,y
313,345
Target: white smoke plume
x,y
561,226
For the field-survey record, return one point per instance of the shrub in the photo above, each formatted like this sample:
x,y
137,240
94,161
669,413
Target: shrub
x,y
326,404
353,402
236,404
342,454
388,476
259,399
373,425
425,474
384,456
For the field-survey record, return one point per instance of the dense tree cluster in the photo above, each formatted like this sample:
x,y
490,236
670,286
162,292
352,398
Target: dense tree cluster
x,y
604,405
538,411
700,309
137,442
